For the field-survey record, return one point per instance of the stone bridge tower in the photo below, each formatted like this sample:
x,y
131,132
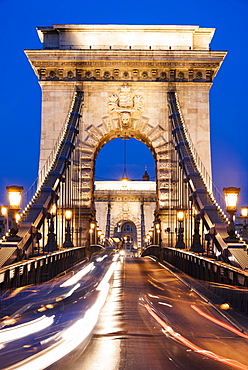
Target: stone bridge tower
x,y
125,73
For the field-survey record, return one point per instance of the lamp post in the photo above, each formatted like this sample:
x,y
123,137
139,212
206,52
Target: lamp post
x,y
92,232
148,239
125,242
151,237
168,238
244,214
157,229
180,243
68,242
4,213
99,233
231,197
15,196
157,233
102,239
51,240
196,246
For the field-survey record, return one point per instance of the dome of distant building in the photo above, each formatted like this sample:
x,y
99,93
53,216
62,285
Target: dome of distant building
x,y
146,176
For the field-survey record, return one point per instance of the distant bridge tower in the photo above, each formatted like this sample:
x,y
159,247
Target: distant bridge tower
x,y
125,73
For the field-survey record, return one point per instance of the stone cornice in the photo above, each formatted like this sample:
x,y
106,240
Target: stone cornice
x,y
64,55
129,65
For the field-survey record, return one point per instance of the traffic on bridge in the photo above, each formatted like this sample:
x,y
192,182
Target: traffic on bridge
x,y
114,312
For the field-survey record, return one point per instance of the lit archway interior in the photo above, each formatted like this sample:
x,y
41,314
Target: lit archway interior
x,y
125,209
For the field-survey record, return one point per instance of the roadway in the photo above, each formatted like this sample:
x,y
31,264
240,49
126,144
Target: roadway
x,y
150,320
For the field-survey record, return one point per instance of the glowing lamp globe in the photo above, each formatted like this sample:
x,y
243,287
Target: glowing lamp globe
x,y
231,197
244,211
15,196
53,209
4,211
68,214
180,215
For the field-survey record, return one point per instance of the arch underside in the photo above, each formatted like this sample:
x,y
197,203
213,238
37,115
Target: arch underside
x,y
156,139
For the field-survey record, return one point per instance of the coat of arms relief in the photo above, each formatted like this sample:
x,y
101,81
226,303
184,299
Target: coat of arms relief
x,y
125,105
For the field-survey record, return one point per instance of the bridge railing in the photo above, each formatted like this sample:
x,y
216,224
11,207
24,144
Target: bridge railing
x,y
30,193
34,219
228,282
210,185
39,269
199,187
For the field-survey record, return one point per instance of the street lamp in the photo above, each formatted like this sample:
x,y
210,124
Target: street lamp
x,y
196,246
151,237
157,231
51,236
125,242
68,242
92,232
102,239
244,214
231,197
180,217
148,239
15,197
4,213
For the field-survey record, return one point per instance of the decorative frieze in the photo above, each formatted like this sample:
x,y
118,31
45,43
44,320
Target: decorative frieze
x,y
198,73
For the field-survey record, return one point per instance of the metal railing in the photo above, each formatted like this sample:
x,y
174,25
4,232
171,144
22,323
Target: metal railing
x,y
228,282
33,190
39,269
33,223
218,197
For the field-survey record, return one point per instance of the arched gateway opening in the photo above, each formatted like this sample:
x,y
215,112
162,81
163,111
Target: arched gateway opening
x,y
127,111
124,194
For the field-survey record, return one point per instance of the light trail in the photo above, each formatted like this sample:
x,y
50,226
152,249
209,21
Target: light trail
x,y
23,330
218,322
191,345
72,337
75,278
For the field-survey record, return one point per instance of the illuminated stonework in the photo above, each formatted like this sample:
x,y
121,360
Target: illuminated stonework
x,y
124,106
125,73
118,203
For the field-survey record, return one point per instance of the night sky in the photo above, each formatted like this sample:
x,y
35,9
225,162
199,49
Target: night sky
x,y
21,97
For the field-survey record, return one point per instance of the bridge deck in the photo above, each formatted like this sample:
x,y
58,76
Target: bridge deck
x,y
128,337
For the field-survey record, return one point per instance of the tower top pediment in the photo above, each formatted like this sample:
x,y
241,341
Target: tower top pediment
x,y
126,36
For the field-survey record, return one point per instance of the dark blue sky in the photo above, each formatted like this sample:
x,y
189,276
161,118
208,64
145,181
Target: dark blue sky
x,y
20,91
